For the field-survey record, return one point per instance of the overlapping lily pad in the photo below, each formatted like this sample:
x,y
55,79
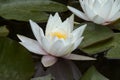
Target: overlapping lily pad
x,y
112,47
15,61
95,33
97,38
98,47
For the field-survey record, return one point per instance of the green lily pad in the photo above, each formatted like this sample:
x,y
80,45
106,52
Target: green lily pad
x,y
15,61
29,9
25,15
93,74
114,52
112,45
98,47
97,38
3,31
34,5
95,33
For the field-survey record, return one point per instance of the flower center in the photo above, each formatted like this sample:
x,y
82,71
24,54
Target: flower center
x,y
59,35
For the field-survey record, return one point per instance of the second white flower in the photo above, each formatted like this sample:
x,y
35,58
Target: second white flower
x,y
98,11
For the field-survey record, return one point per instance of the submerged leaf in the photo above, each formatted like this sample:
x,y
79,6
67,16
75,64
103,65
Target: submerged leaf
x,y
47,77
64,70
93,74
3,31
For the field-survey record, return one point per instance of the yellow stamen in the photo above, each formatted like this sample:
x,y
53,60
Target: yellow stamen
x,y
59,35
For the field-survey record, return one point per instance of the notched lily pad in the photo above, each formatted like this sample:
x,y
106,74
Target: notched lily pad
x,y
112,46
98,47
97,38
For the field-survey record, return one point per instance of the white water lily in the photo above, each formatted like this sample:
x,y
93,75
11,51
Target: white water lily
x,y
98,11
59,40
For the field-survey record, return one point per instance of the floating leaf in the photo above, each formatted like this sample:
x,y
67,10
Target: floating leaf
x,y
3,31
112,45
25,15
95,33
15,61
114,52
97,38
98,47
29,9
93,74
34,5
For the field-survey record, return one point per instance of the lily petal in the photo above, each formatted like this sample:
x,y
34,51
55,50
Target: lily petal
x,y
31,45
82,4
37,31
53,23
71,22
67,25
77,43
60,48
77,33
99,20
78,13
46,44
115,8
57,46
105,9
48,60
90,13
115,17
96,6
78,57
